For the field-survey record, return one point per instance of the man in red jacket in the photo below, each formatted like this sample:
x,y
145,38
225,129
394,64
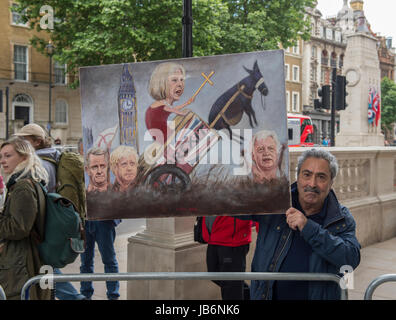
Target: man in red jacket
x,y
228,241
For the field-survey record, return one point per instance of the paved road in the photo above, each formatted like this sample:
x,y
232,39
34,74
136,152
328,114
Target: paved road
x,y
130,226
376,260
124,230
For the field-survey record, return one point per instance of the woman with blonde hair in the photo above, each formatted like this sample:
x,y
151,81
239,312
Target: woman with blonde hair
x,y
166,87
22,219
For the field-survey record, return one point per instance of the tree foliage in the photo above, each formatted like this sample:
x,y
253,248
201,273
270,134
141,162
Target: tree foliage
x,y
94,32
388,104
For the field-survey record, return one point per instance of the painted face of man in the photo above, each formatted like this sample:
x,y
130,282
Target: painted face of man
x,y
314,183
126,169
9,158
97,170
175,85
265,153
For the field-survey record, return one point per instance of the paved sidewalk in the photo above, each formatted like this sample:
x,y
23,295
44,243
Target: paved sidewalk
x,y
121,244
376,260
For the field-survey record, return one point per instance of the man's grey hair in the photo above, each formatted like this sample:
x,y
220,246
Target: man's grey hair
x,y
264,134
319,154
97,152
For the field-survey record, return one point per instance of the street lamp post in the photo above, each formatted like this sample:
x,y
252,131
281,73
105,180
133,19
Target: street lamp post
x,y
50,51
187,22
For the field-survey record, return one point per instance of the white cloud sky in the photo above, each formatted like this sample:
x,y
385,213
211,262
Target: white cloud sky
x,y
379,13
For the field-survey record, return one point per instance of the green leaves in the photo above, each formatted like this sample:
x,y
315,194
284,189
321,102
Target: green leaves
x,y
388,104
94,32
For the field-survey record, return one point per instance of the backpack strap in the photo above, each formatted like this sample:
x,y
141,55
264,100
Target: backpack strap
x,y
37,232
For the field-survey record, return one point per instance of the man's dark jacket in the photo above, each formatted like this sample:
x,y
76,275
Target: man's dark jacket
x,y
333,245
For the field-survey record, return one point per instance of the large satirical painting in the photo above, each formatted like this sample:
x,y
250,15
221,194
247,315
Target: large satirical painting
x,y
186,137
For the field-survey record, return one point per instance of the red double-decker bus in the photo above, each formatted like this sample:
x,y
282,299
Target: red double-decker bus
x,y
300,130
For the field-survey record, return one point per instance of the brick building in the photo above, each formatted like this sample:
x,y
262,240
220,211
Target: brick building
x,y
24,75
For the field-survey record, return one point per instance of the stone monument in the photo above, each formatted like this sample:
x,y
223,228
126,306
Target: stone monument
x,y
167,245
362,71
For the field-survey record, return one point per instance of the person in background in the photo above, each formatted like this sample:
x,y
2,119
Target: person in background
x,y
228,241
19,256
42,144
317,234
80,147
101,232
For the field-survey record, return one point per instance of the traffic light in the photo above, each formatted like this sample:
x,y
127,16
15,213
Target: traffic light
x,y
317,104
340,96
323,103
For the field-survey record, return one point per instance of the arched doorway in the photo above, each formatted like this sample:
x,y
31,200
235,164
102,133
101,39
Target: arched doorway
x,y
22,108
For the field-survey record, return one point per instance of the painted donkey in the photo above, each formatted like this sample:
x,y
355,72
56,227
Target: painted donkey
x,y
239,100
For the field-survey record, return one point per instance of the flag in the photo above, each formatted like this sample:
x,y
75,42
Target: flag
x,y
106,138
374,107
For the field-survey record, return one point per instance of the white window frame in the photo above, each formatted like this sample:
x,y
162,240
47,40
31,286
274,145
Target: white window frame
x,y
329,34
288,100
64,112
314,71
296,48
314,52
60,71
295,98
15,16
338,36
287,71
322,32
296,73
26,63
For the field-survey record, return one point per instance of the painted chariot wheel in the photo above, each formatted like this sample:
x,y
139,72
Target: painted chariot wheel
x,y
169,178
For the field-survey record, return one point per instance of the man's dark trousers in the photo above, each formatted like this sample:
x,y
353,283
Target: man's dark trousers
x,y
228,259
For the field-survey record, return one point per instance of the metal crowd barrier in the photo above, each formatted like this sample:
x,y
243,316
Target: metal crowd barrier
x,y
2,294
368,295
187,276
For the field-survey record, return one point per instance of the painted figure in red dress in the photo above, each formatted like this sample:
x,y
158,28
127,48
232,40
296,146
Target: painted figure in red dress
x,y
166,87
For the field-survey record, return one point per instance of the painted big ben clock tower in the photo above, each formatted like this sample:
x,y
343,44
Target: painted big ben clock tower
x,y
127,110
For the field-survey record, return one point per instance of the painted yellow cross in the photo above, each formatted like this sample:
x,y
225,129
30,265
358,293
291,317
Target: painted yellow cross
x,y
207,80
